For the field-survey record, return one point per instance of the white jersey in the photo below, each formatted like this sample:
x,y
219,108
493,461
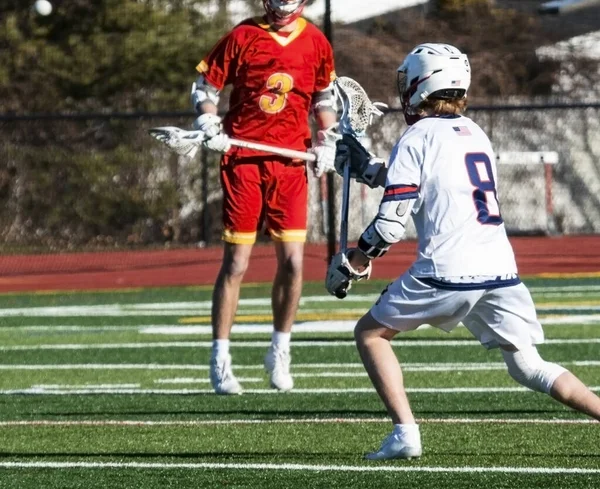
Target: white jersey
x,y
449,165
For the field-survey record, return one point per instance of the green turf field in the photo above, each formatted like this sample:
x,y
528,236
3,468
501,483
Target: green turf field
x,y
110,390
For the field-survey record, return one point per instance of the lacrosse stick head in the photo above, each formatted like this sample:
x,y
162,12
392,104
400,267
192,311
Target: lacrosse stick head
x,y
184,143
357,108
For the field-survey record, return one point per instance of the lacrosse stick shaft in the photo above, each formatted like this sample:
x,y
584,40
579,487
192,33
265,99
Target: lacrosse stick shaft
x,y
345,208
288,153
187,143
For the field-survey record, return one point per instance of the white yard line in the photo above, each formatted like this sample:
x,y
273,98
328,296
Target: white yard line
x,y
217,422
575,320
296,467
565,289
196,380
417,366
316,391
331,326
264,344
84,386
191,308
162,308
72,328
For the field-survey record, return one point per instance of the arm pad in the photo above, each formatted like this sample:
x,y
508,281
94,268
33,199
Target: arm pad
x,y
386,229
324,100
202,91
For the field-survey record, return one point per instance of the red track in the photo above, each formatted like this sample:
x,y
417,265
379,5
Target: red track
x,y
87,271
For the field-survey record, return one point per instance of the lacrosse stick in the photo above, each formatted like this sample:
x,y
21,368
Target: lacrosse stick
x,y
186,143
357,115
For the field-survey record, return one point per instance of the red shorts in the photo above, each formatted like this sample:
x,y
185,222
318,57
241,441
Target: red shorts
x,y
257,189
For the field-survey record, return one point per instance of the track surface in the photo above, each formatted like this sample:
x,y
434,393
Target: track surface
x,y
109,270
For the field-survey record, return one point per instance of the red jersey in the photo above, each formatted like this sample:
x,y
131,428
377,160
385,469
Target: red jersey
x,y
274,76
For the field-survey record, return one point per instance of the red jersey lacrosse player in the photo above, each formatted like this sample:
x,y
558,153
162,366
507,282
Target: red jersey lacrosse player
x,y
281,70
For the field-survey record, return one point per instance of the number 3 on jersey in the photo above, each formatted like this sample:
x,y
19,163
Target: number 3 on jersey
x,y
485,198
278,84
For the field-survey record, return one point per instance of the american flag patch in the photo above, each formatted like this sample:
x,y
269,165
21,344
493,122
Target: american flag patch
x,y
462,131
455,83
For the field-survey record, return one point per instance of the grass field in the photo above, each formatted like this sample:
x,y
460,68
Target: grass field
x,y
110,390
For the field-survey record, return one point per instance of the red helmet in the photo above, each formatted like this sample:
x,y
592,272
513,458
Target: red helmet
x,y
284,12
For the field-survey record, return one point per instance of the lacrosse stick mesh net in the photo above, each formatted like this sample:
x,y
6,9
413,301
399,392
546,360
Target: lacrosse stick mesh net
x,y
357,108
175,139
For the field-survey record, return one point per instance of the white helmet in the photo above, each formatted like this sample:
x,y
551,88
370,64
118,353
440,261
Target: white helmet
x,y
284,12
438,71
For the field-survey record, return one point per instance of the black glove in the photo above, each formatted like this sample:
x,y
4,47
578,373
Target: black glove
x,y
364,167
350,151
341,274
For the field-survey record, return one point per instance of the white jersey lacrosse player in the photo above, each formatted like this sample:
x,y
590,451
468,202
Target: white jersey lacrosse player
x,y
442,172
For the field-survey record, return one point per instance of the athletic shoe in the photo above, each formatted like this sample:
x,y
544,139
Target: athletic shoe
x,y
277,365
221,376
395,447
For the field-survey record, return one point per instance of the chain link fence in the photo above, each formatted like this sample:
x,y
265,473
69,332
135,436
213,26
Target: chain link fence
x,y
548,168
78,182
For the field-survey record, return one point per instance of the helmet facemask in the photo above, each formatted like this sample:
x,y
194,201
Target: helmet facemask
x,y
284,12
410,114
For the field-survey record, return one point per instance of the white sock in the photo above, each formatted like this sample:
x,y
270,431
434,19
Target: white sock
x,y
409,433
220,348
281,340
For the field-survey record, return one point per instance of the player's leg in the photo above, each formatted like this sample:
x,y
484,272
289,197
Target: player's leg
x,y
285,297
373,344
224,305
527,367
287,286
570,391
242,203
403,306
506,318
286,200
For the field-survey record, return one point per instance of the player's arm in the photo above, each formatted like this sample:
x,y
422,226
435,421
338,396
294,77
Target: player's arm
x,y
387,228
389,224
364,167
214,72
204,96
324,109
402,179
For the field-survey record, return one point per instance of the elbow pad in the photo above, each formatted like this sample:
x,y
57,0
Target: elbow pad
x,y
202,91
386,229
324,100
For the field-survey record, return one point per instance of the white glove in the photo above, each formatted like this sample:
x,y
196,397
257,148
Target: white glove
x,y
215,138
325,150
341,274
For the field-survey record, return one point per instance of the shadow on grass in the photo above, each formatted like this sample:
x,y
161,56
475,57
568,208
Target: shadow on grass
x,y
306,414
263,456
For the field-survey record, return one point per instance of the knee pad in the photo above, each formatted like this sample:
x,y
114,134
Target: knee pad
x,y
530,370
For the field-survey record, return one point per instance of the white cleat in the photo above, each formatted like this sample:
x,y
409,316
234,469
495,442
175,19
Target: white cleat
x,y
221,376
277,365
395,447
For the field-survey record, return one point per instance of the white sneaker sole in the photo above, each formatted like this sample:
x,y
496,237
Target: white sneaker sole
x,y
280,388
406,453
228,392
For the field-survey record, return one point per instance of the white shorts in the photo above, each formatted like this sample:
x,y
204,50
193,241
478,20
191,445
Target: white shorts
x,y
501,316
